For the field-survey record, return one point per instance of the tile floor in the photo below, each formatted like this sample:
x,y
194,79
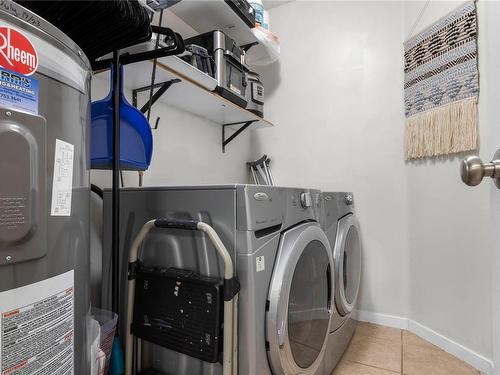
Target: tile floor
x,y
378,350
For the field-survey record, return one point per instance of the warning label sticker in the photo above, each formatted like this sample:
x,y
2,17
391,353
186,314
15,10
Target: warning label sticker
x,y
37,328
62,184
18,91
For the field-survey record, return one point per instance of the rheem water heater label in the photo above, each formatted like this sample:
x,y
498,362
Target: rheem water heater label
x,y
18,92
37,328
18,61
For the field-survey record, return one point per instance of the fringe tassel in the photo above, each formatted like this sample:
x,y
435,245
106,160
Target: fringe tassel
x,y
445,130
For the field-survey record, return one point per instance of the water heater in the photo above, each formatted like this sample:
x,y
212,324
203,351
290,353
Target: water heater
x,y
44,197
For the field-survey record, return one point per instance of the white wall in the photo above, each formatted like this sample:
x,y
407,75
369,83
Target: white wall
x,y
450,278
336,101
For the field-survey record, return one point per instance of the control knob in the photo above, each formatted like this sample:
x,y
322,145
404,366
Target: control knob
x,y
305,200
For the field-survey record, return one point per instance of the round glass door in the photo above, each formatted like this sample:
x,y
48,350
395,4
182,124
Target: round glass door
x,y
300,301
309,304
351,265
347,259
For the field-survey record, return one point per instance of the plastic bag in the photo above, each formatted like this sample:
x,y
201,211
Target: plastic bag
x,y
107,323
94,333
268,49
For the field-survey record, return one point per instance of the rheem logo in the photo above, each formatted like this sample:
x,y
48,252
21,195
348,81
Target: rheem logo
x,y
16,52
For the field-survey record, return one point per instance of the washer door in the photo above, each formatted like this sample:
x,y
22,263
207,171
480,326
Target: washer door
x,y
300,301
347,260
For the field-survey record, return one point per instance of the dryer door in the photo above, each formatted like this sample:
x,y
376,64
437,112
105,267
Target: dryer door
x,y
347,260
300,301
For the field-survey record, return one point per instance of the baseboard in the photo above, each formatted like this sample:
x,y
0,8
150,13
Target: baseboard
x,y
465,354
382,319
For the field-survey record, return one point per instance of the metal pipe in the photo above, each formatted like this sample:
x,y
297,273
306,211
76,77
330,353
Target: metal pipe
x,y
235,302
153,72
262,174
254,175
115,207
133,256
271,178
220,247
141,178
268,172
139,355
230,338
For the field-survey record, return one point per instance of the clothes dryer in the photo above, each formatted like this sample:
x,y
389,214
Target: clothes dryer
x,y
343,232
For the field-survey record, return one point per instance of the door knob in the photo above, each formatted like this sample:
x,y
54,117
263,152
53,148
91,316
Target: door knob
x,y
473,170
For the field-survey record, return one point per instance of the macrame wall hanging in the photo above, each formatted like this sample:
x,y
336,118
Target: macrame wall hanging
x,y
441,86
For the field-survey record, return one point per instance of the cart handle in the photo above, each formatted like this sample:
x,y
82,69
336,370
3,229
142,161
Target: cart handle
x,y
185,225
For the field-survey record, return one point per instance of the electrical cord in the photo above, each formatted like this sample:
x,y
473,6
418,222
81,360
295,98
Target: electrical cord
x,y
419,18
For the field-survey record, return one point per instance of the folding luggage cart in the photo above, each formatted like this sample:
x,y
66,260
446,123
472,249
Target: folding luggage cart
x,y
199,295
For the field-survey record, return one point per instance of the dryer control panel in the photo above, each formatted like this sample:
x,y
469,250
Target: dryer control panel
x,y
261,207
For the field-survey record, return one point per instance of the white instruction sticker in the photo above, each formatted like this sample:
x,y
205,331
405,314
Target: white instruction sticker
x,y
260,264
37,328
62,185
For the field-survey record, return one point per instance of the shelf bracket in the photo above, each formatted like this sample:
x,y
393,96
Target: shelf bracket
x,y
162,88
225,141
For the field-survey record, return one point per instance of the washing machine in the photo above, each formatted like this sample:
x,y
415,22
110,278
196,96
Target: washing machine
x,y
283,259
342,230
